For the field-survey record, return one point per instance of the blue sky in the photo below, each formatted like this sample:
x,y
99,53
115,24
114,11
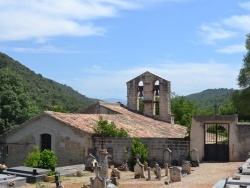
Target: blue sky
x,y
96,46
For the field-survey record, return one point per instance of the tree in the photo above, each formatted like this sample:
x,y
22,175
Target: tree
x,y
108,129
183,110
241,99
244,75
15,106
139,148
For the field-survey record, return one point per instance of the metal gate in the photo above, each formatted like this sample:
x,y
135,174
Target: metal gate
x,y
216,142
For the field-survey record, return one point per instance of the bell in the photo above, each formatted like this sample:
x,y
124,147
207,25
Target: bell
x,y
140,94
157,93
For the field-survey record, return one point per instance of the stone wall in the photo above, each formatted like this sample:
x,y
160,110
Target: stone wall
x,y
69,144
243,140
157,146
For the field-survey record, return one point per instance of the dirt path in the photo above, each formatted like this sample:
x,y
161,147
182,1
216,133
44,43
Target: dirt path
x,y
204,176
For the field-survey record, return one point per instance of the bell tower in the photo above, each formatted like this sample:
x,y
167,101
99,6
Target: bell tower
x,y
150,95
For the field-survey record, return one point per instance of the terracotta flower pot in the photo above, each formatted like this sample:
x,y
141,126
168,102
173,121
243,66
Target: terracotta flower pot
x,y
49,178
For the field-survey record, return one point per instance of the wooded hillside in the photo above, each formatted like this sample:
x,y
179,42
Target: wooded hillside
x,y
45,93
211,97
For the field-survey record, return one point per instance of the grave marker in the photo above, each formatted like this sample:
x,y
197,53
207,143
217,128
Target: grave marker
x,y
175,174
167,156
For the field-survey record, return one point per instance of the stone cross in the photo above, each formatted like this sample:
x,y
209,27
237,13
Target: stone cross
x,y
102,141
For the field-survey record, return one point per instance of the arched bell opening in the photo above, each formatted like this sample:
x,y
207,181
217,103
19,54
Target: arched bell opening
x,y
156,91
140,97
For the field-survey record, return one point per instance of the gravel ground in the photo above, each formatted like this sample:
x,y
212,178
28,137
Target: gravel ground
x,y
204,176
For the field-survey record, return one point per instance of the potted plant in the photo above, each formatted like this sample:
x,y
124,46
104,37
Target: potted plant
x,y
50,176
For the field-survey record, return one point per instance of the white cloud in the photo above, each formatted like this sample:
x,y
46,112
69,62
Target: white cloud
x,y
232,49
213,32
22,20
245,5
47,49
239,22
186,78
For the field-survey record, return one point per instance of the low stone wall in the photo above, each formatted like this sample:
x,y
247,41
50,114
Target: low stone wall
x,y
157,146
243,141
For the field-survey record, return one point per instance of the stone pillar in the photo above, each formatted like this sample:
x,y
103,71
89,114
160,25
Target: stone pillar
x,y
158,171
103,162
149,174
166,169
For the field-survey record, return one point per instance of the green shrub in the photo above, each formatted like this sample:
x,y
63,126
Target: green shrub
x,y
45,159
139,148
33,158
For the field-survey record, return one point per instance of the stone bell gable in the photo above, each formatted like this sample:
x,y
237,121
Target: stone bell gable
x,y
150,94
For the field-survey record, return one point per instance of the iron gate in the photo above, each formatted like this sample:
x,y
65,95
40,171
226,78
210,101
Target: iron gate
x,y
216,142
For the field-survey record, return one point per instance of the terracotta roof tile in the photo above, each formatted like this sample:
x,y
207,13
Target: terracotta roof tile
x,y
136,124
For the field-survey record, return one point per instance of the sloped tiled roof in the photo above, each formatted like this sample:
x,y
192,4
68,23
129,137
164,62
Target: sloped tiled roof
x,y
137,125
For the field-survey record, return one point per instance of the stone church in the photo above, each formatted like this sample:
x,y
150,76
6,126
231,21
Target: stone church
x,y
147,115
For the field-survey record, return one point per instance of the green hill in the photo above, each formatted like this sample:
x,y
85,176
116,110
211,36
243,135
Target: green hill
x,y
45,93
208,98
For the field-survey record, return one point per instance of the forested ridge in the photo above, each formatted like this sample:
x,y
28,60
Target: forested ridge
x,y
22,91
211,97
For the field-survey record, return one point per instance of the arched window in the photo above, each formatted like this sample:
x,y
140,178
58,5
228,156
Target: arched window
x,y
45,142
140,105
156,98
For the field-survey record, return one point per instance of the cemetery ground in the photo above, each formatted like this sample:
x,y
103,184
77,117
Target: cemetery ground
x,y
204,176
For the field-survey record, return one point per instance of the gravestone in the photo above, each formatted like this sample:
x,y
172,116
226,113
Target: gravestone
x,y
90,163
194,157
138,169
167,155
158,171
175,174
103,162
149,174
100,182
115,173
187,167
166,169
123,167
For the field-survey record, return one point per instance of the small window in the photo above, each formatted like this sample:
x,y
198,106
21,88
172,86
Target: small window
x,y
45,142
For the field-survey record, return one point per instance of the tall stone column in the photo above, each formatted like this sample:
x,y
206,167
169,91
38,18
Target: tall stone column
x,y
103,162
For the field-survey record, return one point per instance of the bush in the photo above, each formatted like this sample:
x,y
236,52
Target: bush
x,y
139,148
45,159
33,158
